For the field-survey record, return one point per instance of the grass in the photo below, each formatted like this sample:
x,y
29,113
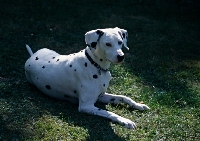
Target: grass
x,y
161,69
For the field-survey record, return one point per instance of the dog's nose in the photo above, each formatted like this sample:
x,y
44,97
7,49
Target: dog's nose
x,y
120,58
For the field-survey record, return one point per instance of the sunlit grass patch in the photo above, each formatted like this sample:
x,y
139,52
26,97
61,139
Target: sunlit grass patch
x,y
50,127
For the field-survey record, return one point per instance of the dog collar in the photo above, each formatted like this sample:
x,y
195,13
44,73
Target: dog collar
x,y
95,64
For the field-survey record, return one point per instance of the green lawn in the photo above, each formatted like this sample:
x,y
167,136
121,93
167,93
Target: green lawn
x,y
162,69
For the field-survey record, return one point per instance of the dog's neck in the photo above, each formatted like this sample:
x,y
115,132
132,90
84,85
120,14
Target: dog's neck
x,y
96,57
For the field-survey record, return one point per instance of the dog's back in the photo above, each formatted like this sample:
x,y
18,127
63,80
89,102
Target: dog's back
x,y
60,76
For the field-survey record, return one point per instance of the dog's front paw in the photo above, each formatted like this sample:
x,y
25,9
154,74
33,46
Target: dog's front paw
x,y
141,107
127,123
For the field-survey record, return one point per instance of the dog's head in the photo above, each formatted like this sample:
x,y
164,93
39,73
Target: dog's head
x,y
107,43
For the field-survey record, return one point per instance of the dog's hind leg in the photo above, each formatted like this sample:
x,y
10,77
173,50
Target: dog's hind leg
x,y
91,109
111,98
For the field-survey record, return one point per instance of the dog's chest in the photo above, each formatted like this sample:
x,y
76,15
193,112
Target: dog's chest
x,y
104,79
98,83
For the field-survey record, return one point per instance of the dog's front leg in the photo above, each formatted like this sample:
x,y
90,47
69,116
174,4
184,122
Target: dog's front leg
x,y
111,98
91,109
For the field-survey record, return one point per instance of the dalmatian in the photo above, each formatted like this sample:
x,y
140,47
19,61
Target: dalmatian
x,y
83,77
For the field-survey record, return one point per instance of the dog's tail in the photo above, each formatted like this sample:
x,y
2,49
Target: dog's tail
x,y
29,50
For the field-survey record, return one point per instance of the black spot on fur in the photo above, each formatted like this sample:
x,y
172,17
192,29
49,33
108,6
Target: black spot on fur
x,y
48,87
49,62
93,44
104,85
43,67
36,58
53,58
120,35
95,76
100,32
119,42
123,35
74,54
75,91
37,78
29,65
112,99
57,60
75,70
70,65
99,109
85,64
101,60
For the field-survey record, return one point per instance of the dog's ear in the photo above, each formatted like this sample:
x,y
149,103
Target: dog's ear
x,y
92,37
124,34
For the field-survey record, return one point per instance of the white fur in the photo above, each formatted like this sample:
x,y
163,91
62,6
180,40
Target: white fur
x,y
73,77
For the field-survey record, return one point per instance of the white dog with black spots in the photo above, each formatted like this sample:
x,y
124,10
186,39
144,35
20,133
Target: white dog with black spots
x,y
83,77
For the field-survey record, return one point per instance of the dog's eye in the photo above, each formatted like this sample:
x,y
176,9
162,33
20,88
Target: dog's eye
x,y
108,44
119,42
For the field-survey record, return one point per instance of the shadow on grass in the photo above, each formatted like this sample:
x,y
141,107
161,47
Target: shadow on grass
x,y
24,110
